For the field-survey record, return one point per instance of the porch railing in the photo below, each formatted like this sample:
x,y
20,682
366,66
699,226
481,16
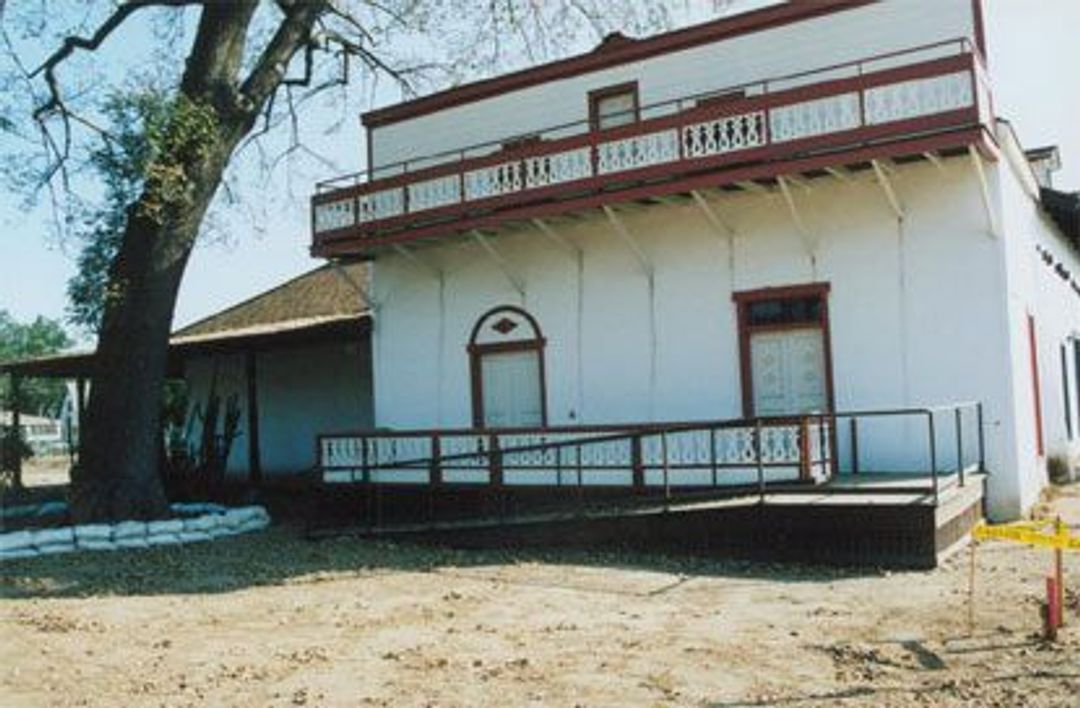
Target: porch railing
x,y
643,457
935,87
930,443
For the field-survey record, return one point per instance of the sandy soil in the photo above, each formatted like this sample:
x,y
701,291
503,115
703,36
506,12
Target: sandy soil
x,y
275,620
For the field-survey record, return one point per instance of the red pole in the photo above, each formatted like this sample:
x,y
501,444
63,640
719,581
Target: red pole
x,y
1053,609
1059,572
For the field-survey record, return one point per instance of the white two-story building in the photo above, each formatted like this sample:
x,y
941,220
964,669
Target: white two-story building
x,y
810,215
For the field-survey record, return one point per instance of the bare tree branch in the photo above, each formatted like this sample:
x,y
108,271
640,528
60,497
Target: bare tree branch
x,y
70,44
295,31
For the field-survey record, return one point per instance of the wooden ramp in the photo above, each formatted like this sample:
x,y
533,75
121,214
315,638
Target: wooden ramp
x,y
887,520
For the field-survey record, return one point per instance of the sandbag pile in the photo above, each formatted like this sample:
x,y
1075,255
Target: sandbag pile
x,y
200,522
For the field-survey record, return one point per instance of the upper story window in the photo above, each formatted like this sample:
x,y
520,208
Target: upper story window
x,y
613,106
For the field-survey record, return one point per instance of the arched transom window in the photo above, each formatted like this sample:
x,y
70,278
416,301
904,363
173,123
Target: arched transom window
x,y
506,357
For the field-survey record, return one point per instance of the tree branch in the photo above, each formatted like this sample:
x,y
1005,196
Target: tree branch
x,y
91,43
294,32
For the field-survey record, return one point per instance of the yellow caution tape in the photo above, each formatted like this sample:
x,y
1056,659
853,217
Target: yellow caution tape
x,y
1025,532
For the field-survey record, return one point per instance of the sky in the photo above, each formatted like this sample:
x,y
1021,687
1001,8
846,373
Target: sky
x,y
263,238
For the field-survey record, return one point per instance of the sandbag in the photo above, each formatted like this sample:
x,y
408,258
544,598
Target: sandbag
x,y
14,541
129,529
163,539
48,537
198,508
52,507
205,523
167,526
54,548
17,553
92,533
97,545
132,542
194,536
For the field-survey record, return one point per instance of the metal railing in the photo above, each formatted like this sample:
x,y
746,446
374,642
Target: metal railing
x,y
758,453
749,89
940,85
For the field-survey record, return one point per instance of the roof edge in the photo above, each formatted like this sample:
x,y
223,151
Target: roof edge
x,y
621,53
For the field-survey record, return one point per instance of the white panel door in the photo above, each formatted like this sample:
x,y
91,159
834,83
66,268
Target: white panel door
x,y
788,372
511,389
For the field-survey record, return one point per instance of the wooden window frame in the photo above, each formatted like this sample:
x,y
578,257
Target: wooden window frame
x,y
745,298
477,352
597,95
1066,390
1036,386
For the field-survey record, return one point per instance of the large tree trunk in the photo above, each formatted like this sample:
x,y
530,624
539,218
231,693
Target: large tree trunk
x,y
118,474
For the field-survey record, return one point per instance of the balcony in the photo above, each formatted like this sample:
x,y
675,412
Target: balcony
x,y
917,102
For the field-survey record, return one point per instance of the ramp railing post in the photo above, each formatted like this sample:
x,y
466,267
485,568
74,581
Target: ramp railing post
x,y
933,455
959,415
667,481
637,464
982,439
712,456
580,492
853,423
757,457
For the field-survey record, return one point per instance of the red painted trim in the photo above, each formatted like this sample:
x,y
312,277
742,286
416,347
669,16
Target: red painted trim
x,y
1040,446
631,51
598,95
652,173
980,32
370,150
765,102
787,292
350,242
477,351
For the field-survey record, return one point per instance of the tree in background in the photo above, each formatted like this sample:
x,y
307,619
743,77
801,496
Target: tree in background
x,y
40,337
223,75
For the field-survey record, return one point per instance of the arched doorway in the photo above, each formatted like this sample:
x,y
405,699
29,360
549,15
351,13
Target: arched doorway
x,y
506,361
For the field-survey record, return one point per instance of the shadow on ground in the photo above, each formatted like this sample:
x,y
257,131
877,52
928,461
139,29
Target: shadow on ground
x,y
283,554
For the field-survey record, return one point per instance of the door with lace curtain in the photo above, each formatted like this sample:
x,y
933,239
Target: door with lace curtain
x,y
506,354
784,348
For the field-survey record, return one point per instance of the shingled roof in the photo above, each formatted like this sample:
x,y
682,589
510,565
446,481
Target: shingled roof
x,y
324,302
1064,209
320,295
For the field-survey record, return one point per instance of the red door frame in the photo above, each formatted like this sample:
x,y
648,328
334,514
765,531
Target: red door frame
x,y
1036,387
477,351
745,298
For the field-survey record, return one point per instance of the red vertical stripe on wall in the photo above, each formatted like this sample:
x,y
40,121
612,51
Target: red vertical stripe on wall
x,y
1039,446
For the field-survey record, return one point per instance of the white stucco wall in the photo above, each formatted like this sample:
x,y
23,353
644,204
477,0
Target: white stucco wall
x,y
845,36
302,391
1035,289
917,310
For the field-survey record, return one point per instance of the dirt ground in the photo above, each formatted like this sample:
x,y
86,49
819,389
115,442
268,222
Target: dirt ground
x,y
272,619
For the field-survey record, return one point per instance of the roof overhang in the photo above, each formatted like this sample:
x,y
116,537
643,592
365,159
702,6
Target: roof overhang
x,y
279,335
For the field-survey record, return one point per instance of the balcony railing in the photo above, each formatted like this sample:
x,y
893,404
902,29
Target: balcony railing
x,y
927,90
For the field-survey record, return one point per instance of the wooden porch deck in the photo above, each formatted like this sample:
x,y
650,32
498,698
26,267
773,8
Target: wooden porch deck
x,y
886,519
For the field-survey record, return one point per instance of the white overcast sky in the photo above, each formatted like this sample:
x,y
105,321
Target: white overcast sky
x,y
1034,60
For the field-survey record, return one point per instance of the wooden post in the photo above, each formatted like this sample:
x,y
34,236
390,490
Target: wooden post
x,y
16,428
637,465
254,455
805,463
1059,571
80,408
